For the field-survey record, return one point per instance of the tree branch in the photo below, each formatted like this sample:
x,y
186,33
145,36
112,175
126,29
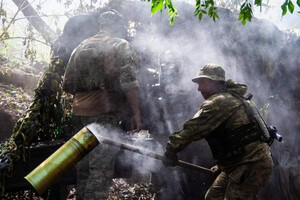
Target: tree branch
x,y
33,16
28,39
11,22
37,22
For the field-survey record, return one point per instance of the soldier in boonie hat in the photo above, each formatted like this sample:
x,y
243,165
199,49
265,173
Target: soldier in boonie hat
x,y
211,71
210,79
235,133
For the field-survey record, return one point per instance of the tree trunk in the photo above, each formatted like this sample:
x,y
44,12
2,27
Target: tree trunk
x,y
32,16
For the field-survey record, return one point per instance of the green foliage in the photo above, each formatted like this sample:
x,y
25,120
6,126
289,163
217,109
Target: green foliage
x,y
291,7
288,6
258,2
207,7
172,12
204,7
158,5
245,13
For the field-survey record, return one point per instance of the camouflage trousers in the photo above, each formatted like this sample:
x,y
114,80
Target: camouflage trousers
x,y
243,183
95,171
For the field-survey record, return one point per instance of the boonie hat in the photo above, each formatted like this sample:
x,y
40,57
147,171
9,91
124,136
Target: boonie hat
x,y
211,71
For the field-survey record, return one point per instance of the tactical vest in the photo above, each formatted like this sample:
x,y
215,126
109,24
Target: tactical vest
x,y
92,66
228,145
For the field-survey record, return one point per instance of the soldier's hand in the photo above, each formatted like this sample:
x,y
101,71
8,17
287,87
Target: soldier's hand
x,y
216,171
135,124
171,158
214,168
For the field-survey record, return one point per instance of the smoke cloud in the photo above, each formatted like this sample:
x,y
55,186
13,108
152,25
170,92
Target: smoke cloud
x,y
258,54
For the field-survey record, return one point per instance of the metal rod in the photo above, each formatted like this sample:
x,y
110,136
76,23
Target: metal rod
x,y
153,155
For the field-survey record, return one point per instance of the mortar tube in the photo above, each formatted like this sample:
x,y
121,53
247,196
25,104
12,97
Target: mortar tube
x,y
62,160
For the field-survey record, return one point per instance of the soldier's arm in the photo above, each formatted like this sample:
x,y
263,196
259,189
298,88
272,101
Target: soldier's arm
x,y
128,80
206,120
133,99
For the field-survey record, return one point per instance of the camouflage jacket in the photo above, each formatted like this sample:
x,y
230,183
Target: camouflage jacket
x,y
222,114
101,62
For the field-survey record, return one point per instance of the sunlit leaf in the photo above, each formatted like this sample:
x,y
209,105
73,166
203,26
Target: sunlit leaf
x,y
241,16
245,13
258,2
156,5
216,16
291,6
200,16
172,12
207,4
298,3
284,7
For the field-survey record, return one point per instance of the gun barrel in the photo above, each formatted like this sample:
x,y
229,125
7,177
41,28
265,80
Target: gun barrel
x,y
63,159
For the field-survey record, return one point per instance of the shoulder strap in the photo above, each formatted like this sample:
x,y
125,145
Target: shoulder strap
x,y
254,116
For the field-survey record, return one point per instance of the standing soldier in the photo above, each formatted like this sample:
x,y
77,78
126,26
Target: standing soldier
x,y
100,72
235,133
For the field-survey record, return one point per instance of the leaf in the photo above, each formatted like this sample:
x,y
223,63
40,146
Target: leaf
x,y
215,17
245,13
197,12
200,16
298,3
284,9
156,5
291,6
172,12
207,3
203,11
241,16
210,11
258,2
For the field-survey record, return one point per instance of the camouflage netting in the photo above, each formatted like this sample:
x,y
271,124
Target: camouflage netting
x,y
50,111
42,121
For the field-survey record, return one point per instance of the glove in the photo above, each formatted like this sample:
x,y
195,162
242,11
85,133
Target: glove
x,y
171,158
216,171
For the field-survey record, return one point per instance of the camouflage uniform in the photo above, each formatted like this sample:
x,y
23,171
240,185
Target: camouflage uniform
x,y
235,141
95,171
103,65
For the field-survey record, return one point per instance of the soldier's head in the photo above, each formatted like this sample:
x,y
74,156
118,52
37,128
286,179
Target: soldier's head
x,y
113,22
210,79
